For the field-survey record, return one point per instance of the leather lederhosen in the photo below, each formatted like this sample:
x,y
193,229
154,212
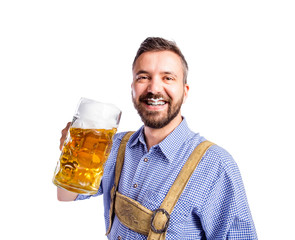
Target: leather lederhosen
x,y
140,219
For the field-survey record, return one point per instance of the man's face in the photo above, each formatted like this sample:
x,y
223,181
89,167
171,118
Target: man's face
x,y
158,90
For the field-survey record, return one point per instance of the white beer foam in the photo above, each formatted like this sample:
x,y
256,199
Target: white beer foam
x,y
96,115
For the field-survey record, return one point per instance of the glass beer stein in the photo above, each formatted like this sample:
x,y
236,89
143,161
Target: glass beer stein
x,y
87,146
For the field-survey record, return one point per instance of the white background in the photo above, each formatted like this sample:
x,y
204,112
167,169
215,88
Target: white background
x,y
241,57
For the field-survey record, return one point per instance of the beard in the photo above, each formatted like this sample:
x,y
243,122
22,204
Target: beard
x,y
155,119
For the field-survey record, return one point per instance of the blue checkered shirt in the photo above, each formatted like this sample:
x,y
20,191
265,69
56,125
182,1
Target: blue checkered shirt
x,y
213,204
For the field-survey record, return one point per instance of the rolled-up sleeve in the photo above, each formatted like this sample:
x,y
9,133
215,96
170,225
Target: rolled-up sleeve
x,y
83,196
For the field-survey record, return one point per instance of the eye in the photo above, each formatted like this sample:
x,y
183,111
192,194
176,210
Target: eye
x,y
168,78
142,77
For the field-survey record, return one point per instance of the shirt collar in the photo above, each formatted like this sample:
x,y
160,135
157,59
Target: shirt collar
x,y
171,144
137,137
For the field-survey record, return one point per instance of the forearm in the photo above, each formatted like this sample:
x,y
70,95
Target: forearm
x,y
64,195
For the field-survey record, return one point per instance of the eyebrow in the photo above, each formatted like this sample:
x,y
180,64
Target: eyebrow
x,y
146,72
141,72
171,73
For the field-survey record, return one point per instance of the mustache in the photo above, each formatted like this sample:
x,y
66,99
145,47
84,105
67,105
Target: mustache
x,y
150,95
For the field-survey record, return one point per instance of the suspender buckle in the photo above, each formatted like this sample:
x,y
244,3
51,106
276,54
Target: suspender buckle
x,y
164,229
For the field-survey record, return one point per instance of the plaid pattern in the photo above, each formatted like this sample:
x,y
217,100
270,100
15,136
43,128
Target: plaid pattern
x,y
213,204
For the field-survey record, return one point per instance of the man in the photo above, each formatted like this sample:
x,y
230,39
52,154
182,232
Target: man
x,y
213,204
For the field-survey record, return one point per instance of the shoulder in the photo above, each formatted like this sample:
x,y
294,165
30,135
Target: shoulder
x,y
114,151
118,137
217,163
217,167
116,142
215,157
220,159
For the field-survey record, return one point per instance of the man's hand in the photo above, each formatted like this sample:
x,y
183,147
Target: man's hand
x,y
64,135
62,194
65,195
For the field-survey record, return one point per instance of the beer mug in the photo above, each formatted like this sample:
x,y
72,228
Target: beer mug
x,y
87,146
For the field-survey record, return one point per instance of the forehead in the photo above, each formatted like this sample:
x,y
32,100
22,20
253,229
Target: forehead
x,y
158,61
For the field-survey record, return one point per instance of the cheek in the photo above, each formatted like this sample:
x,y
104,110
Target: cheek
x,y
174,92
177,92
137,90
133,91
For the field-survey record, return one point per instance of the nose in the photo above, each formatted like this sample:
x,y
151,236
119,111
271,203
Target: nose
x,y
155,85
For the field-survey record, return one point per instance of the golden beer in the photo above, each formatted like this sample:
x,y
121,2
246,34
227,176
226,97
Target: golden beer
x,y
81,163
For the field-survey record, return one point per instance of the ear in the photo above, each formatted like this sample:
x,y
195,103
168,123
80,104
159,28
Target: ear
x,y
185,95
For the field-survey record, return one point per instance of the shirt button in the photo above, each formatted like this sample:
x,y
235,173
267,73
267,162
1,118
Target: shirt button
x,y
145,160
135,185
119,238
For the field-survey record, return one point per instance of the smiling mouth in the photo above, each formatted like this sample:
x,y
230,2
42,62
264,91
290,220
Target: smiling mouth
x,y
155,101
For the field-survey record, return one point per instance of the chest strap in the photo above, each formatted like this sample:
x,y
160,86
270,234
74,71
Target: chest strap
x,y
118,169
138,218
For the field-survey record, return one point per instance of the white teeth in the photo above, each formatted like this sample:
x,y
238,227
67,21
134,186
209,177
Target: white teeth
x,y
156,99
155,102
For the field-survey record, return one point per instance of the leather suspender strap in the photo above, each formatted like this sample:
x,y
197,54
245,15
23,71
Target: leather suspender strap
x,y
160,219
118,169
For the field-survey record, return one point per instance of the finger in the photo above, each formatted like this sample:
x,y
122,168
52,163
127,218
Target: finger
x,y
64,135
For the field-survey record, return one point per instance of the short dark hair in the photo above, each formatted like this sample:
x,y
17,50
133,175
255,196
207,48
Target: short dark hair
x,y
160,44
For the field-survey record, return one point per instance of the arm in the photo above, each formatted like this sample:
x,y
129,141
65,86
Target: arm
x,y
64,195
225,213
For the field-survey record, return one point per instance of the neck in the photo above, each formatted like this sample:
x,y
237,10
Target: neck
x,y
155,136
